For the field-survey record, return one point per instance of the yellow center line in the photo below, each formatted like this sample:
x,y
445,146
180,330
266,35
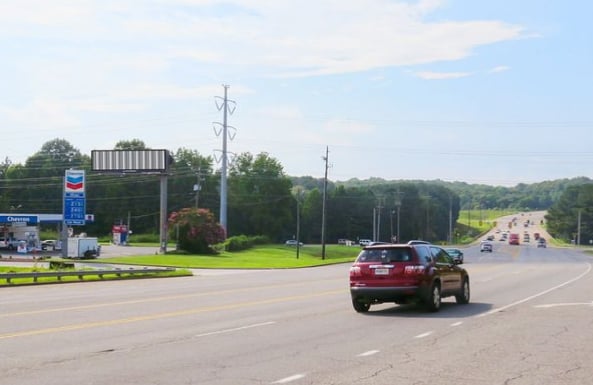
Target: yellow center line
x,y
157,299
156,316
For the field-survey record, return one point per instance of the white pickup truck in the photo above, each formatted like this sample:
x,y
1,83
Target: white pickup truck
x,y
8,243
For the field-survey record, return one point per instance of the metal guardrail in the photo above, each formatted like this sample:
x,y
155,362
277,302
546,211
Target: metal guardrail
x,y
81,273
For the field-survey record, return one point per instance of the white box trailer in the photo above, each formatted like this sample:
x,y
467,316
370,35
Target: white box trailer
x,y
87,247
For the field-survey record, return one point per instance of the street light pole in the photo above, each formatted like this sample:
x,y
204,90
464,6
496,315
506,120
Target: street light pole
x,y
398,204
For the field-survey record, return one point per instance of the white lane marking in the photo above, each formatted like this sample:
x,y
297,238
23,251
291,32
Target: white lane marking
x,y
235,329
457,323
289,379
423,335
369,353
503,308
564,304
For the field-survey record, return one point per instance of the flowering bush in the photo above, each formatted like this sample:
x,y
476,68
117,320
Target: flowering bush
x,y
198,230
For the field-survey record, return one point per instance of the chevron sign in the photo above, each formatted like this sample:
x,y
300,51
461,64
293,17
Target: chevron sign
x,y
74,181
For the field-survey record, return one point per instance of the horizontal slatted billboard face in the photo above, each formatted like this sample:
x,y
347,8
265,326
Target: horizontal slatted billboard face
x,y
130,160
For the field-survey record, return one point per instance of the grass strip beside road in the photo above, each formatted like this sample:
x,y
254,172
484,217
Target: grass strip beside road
x,y
261,257
86,278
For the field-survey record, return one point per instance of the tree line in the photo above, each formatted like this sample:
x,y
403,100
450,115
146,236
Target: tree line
x,y
263,200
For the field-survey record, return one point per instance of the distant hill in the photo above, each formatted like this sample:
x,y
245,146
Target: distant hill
x,y
534,196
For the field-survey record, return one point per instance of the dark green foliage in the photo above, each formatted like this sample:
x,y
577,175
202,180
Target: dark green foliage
x,y
259,200
145,238
563,216
197,229
262,200
244,242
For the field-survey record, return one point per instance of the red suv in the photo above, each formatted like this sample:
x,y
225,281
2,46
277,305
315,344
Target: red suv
x,y
404,274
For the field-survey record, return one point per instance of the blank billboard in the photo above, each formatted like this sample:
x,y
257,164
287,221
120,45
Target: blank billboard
x,y
130,160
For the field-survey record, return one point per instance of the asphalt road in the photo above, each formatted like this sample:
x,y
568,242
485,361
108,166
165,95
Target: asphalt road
x,y
529,322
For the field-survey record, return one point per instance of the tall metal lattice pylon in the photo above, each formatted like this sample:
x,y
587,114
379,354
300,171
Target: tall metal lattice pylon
x,y
228,107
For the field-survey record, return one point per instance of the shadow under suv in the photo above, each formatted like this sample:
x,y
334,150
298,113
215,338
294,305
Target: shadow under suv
x,y
406,274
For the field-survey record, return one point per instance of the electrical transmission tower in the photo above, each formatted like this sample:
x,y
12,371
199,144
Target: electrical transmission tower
x,y
228,107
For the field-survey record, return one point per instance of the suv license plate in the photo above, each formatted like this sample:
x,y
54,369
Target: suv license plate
x,y
381,271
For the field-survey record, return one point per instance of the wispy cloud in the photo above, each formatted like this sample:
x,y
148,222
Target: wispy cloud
x,y
427,75
340,37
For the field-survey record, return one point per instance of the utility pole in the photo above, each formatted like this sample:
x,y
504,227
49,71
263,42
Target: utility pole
x,y
578,240
377,237
398,204
325,158
223,104
198,185
450,219
298,225
427,199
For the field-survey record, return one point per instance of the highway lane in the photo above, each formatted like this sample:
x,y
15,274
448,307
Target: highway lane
x,y
527,323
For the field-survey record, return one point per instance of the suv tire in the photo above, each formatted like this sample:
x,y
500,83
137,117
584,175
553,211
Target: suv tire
x,y
463,297
433,302
360,307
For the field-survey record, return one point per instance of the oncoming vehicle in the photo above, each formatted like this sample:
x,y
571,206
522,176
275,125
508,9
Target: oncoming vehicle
x,y
514,239
456,254
403,274
486,246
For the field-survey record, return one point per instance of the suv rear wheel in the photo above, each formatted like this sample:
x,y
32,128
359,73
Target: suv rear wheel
x,y
463,296
433,302
361,307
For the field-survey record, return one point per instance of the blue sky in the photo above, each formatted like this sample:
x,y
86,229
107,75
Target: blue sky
x,y
493,92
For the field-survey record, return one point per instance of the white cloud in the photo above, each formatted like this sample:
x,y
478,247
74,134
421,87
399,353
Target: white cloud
x,y
281,38
74,62
428,75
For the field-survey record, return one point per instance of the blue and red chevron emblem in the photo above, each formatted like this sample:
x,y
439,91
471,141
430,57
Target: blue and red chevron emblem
x,y
74,181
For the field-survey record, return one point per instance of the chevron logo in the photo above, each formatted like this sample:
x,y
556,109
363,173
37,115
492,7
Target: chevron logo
x,y
74,181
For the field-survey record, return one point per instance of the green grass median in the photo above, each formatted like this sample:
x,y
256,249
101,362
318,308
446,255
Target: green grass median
x,y
261,257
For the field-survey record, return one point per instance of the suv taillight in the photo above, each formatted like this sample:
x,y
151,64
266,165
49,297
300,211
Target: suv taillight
x,y
355,271
414,269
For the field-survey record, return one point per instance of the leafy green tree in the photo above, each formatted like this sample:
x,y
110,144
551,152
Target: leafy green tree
x,y
562,217
134,144
198,230
260,199
192,181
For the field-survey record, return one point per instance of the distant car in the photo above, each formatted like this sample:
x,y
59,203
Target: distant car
x,y
364,242
456,254
417,273
490,238
293,242
514,239
418,242
541,242
9,243
50,244
486,246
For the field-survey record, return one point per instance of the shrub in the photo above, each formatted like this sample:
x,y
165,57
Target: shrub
x,y
244,242
198,230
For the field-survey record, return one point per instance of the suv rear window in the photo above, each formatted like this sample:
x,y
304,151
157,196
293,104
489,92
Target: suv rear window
x,y
385,255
